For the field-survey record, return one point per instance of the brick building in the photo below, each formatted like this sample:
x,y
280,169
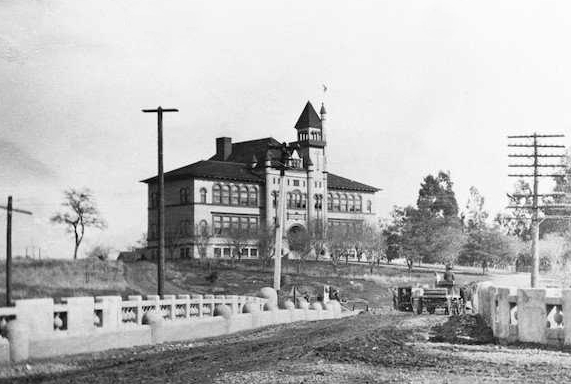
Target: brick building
x,y
238,188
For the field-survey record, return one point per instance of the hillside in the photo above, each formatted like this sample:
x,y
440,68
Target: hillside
x,y
90,277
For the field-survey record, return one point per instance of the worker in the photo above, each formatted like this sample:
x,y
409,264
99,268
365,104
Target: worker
x,y
448,275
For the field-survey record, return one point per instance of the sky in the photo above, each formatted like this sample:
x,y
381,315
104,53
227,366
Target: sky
x,y
414,87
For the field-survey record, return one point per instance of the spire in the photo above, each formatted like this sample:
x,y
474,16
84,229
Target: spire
x,y
308,118
322,111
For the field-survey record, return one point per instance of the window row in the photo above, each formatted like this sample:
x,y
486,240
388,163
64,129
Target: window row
x,y
234,195
347,203
310,136
220,252
224,224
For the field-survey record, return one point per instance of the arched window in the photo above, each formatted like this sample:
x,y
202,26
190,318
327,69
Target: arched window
x,y
290,200
359,204
243,195
369,206
336,202
216,194
344,202
275,199
329,201
351,203
203,195
184,195
226,194
253,196
235,195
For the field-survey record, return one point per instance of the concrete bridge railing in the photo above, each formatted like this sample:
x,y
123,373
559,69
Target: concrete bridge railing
x,y
37,328
535,315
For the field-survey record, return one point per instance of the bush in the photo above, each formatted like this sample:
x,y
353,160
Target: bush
x,y
99,252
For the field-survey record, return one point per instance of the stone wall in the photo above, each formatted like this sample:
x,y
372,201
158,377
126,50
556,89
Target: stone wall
x,y
38,328
534,315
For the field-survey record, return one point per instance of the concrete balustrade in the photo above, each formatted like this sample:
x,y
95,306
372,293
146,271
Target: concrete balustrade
x,y
39,328
533,315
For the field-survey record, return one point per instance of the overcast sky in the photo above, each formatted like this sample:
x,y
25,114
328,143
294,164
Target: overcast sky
x,y
414,87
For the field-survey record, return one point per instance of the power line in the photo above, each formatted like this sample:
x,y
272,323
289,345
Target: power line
x,y
534,207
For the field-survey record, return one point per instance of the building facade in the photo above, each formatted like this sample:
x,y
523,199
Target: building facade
x,y
238,189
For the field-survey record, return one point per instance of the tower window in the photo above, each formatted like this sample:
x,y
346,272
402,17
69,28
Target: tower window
x,y
203,195
296,183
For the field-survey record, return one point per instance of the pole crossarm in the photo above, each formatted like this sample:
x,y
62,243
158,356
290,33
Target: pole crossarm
x,y
536,146
538,165
527,195
532,175
532,136
16,210
533,156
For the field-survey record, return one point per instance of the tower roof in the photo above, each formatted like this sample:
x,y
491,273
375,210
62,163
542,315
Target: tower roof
x,y
308,118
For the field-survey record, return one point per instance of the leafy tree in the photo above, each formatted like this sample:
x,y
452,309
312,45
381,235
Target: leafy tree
x,y
80,212
436,196
474,217
488,247
99,252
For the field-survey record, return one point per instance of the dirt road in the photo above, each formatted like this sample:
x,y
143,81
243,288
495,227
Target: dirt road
x,y
386,348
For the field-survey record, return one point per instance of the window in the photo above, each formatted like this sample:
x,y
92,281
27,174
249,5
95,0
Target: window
x,y
296,183
343,202
351,203
226,194
369,206
216,196
182,253
203,195
329,202
226,252
287,181
203,227
218,252
253,224
275,199
289,200
217,224
234,195
336,202
243,223
235,223
225,224
359,204
253,196
184,192
253,252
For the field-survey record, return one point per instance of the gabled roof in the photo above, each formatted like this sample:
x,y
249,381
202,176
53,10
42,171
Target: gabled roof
x,y
308,118
211,169
338,182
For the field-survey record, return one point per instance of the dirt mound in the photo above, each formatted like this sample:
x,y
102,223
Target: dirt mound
x,y
463,329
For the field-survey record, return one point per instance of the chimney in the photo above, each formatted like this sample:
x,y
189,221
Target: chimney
x,y
223,148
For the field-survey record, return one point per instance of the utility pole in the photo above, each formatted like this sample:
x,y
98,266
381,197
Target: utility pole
x,y
535,207
9,209
161,195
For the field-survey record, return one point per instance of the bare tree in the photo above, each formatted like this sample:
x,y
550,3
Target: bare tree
x,y
174,238
80,213
317,238
238,239
265,238
299,242
202,237
338,243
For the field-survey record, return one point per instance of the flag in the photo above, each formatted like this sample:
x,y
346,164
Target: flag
x,y
324,88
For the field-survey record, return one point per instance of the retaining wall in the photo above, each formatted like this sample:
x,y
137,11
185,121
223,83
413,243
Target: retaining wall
x,y
39,328
535,315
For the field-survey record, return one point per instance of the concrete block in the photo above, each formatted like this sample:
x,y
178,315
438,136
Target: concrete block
x,y
531,315
4,350
195,328
38,316
241,322
566,297
502,325
19,340
222,310
80,313
297,314
111,311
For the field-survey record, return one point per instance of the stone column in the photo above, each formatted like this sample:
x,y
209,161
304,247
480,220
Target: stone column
x,y
531,315
502,326
566,297
111,311
37,315
80,312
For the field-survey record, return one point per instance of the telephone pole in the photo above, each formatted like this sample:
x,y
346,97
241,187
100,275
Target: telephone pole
x,y
535,207
9,209
161,195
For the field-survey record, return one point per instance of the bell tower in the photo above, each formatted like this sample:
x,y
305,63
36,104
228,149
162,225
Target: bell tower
x,y
310,136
